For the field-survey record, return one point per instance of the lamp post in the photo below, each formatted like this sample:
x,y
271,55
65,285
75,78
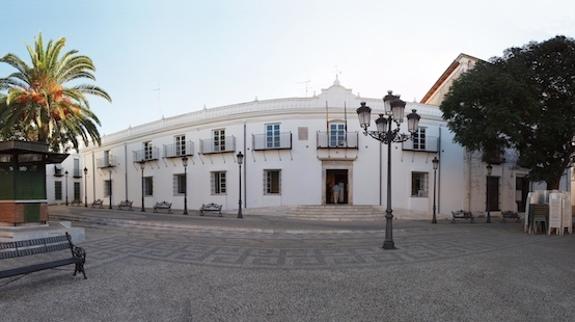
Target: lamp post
x,y
435,162
66,173
110,187
489,169
85,187
142,166
185,163
240,157
385,133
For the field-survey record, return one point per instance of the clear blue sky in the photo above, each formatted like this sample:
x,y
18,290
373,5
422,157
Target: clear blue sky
x,y
225,52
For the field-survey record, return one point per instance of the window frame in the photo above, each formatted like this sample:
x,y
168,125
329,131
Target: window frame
x,y
176,178
148,186
424,181
272,131
268,183
419,138
58,190
180,145
337,136
148,150
219,139
218,184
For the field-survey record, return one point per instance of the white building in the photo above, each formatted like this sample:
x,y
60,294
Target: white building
x,y
295,150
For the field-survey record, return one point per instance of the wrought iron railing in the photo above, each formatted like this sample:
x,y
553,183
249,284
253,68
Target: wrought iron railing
x,y
262,142
58,170
208,146
179,150
422,144
337,140
144,155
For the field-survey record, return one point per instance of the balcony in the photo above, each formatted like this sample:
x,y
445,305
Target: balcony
x,y
179,150
337,140
77,174
58,171
152,154
108,162
208,146
428,144
263,142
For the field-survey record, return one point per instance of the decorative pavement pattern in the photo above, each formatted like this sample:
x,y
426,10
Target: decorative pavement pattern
x,y
306,251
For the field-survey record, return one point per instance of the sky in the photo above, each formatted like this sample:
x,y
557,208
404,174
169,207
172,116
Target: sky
x,y
164,58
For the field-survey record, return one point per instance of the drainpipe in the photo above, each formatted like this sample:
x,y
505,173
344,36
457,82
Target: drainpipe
x,y
93,177
245,171
126,170
380,172
439,174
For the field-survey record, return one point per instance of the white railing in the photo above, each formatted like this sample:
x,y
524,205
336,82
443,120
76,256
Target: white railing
x,y
208,146
179,150
108,162
261,142
427,144
337,140
149,155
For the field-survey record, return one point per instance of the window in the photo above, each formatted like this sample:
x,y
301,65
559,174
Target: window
x,y
77,168
107,157
219,140
272,181
419,139
76,191
302,133
107,188
179,184
148,150
273,135
419,184
148,186
58,190
218,182
180,145
337,134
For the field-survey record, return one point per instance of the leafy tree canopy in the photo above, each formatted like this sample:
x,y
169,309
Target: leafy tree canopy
x,y
45,101
524,100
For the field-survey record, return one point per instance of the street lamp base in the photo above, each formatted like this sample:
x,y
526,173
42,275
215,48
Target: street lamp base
x,y
389,244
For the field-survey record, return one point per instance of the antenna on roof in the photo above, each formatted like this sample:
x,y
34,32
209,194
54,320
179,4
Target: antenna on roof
x,y
306,82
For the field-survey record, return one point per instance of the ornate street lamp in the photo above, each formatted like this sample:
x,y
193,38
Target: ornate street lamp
x,y
489,169
385,133
85,187
185,163
66,173
142,166
435,162
240,157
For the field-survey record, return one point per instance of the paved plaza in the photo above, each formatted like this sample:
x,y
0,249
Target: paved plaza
x,y
269,269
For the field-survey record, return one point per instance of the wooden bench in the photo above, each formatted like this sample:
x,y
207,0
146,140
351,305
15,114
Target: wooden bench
x,y
40,246
99,203
164,205
461,214
510,215
125,205
211,207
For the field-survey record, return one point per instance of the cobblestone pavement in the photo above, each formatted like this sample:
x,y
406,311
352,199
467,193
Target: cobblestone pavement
x,y
443,272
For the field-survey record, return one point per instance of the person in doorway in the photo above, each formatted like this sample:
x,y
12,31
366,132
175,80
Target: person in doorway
x,y
341,192
335,190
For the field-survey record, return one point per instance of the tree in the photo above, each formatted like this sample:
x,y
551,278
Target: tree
x,y
43,102
524,100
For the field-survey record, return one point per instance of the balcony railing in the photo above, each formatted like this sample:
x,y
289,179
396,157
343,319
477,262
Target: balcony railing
x,y
337,140
262,142
108,162
427,144
179,150
76,173
208,146
58,171
143,155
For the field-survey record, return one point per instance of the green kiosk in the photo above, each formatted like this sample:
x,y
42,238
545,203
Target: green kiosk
x,y
23,182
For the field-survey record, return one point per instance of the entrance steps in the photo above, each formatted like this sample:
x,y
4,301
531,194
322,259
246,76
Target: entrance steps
x,y
324,212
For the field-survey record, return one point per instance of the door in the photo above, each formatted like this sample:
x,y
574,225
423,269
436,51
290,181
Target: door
x,y
521,191
336,181
492,200
76,191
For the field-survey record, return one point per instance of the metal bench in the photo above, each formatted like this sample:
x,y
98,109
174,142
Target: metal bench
x,y
125,205
461,214
510,215
76,202
164,205
99,203
40,246
211,207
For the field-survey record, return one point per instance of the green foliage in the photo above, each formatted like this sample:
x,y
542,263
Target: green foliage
x,y
524,100
43,102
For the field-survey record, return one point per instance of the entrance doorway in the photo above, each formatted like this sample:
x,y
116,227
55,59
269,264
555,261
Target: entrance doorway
x,y
493,190
336,177
521,191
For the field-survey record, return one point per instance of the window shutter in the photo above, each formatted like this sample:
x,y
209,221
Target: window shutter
x,y
175,185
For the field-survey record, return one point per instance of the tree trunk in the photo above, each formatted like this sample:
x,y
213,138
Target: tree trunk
x,y
553,183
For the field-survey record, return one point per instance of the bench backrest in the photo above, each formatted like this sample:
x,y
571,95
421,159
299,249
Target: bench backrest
x,y
98,202
34,246
211,206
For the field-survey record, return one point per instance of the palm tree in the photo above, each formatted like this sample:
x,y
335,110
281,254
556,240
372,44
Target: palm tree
x,y
40,103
